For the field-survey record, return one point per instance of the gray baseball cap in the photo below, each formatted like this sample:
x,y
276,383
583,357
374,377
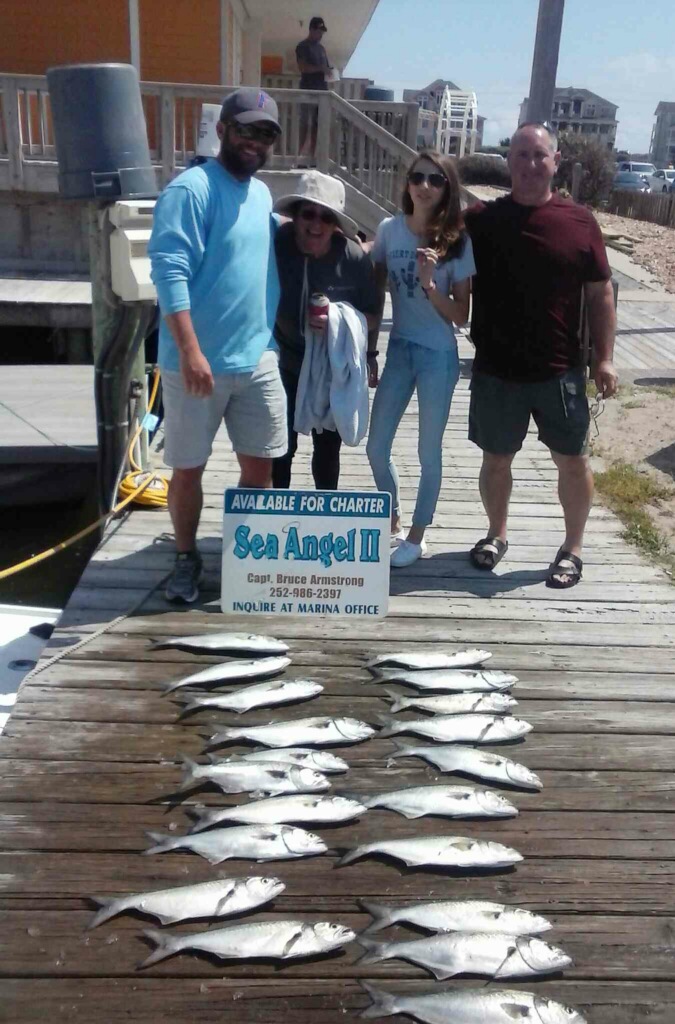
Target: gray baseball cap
x,y
248,106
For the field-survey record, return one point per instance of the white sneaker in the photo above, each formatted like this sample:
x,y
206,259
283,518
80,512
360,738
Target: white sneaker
x,y
406,553
396,538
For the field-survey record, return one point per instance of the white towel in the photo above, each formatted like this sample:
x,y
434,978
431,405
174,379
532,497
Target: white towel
x,y
333,384
347,348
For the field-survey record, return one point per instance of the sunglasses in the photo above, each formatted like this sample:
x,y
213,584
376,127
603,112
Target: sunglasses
x,y
434,180
323,216
255,133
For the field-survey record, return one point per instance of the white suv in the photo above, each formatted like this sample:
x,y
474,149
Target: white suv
x,y
661,181
631,165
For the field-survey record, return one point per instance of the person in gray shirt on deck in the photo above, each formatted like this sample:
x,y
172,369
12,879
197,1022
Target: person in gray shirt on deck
x,y
313,66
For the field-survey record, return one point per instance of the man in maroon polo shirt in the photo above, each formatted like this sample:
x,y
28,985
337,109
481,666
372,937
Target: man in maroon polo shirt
x,y
536,255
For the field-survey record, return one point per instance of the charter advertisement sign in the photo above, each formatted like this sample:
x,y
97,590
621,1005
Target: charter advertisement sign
x,y
306,552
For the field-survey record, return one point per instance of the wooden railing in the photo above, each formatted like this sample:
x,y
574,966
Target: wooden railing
x,y
649,206
399,119
364,154
349,88
350,142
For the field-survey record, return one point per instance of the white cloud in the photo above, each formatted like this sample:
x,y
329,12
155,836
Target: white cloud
x,y
642,70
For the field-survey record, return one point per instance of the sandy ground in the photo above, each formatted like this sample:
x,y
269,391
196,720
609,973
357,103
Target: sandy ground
x,y
654,246
638,427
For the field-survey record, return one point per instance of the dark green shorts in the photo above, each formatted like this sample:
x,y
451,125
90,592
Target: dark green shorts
x,y
500,410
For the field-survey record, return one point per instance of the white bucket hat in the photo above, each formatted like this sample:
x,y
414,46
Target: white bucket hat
x,y
323,190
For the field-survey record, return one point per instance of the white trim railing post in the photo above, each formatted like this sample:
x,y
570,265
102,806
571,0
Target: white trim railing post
x,y
167,133
10,103
323,132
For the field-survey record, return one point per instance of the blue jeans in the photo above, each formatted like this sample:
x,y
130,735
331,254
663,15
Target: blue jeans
x,y
433,374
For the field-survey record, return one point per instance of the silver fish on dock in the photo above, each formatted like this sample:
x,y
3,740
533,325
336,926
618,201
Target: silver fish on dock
x,y
232,672
258,695
279,940
439,851
224,643
321,731
305,757
450,680
454,703
444,801
457,916
219,898
459,728
246,842
430,660
480,763
471,1006
279,810
447,954
257,777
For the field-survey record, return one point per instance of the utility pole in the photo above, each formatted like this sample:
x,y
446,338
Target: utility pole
x,y
545,60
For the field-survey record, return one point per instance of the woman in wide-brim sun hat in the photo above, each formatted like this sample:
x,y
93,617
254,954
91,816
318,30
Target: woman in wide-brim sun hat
x,y
317,252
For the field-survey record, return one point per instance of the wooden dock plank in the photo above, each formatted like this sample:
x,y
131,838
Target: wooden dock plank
x,y
265,1001
90,761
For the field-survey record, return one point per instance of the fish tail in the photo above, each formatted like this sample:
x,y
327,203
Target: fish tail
x,y
398,703
383,672
166,945
383,1004
373,950
404,748
172,686
390,724
189,769
348,856
380,914
221,737
106,911
200,816
161,843
193,704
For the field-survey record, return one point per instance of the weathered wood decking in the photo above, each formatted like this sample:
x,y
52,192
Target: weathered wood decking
x,y
89,764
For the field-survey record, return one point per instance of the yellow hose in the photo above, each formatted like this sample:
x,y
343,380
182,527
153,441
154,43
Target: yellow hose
x,y
134,487
155,493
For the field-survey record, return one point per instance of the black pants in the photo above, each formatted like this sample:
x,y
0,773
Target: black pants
x,y
326,454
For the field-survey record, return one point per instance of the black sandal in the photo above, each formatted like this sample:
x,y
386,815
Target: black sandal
x,y
492,550
565,565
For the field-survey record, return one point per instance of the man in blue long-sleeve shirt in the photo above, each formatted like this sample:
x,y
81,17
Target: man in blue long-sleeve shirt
x,y
213,264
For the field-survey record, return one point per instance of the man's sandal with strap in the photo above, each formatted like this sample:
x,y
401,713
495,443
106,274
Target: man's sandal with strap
x,y
488,552
565,572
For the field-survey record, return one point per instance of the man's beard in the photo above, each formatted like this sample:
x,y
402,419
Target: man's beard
x,y
238,165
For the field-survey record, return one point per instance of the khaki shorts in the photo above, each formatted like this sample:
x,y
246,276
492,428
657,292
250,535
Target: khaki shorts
x,y
252,406
500,410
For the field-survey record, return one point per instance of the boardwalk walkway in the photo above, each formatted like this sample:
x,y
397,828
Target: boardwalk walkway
x,y
89,764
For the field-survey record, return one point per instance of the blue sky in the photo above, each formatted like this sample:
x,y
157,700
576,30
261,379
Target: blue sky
x,y
622,49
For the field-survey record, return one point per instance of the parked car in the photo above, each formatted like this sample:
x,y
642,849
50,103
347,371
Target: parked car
x,y
630,165
630,181
661,180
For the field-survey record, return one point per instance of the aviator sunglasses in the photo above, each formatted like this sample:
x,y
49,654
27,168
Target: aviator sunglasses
x,y
323,215
435,180
256,133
